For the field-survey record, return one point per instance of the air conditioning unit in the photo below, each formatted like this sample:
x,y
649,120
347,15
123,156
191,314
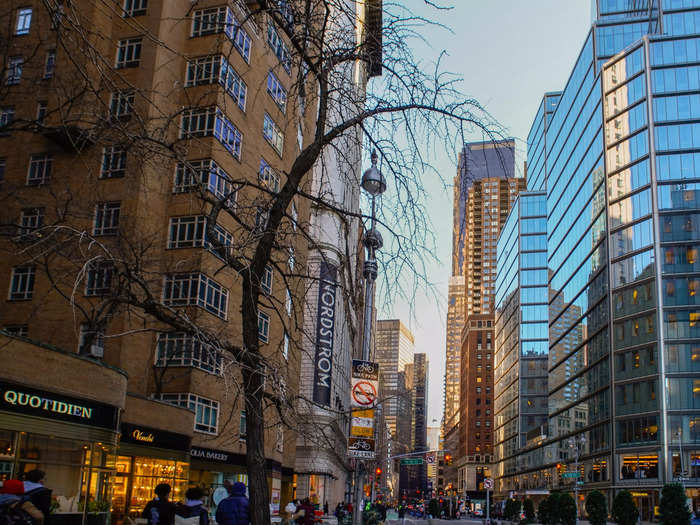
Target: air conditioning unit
x,y
96,351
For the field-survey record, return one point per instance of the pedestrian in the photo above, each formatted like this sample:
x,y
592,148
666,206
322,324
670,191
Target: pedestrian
x,y
234,510
36,492
192,512
160,511
290,514
308,517
21,508
325,509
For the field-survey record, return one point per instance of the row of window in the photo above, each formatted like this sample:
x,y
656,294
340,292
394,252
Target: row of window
x,y
15,66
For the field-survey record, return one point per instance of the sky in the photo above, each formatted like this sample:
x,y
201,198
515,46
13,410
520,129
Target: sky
x,y
509,53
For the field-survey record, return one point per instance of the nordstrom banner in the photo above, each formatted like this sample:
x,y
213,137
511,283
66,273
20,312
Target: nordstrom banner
x,y
325,333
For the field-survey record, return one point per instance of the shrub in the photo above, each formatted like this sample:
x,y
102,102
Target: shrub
x,y
567,509
624,511
543,513
673,508
529,509
512,510
434,508
597,508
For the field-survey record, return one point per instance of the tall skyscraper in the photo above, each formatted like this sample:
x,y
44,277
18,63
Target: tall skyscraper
x,y
394,347
485,188
418,476
623,208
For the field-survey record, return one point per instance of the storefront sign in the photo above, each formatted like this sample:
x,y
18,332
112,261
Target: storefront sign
x,y
217,456
154,437
24,400
325,333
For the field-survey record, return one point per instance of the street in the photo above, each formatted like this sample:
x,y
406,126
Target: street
x,y
416,521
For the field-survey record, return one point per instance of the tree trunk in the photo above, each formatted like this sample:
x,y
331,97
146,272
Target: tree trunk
x,y
255,448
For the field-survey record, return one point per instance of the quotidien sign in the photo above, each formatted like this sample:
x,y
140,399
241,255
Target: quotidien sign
x,y
52,406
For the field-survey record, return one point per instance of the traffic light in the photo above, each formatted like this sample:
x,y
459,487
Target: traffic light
x,y
378,471
448,459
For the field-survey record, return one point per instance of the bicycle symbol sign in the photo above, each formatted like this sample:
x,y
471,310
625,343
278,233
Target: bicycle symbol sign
x,y
364,393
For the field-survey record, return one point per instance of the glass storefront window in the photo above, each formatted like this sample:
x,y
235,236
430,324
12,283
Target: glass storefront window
x,y
639,466
136,480
7,453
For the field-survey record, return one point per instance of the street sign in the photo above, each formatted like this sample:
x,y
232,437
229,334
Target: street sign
x,y
412,461
571,475
488,483
360,447
365,384
430,458
362,423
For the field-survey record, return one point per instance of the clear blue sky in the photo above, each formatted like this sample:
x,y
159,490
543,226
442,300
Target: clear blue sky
x,y
509,53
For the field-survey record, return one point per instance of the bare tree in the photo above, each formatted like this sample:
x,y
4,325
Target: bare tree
x,y
329,48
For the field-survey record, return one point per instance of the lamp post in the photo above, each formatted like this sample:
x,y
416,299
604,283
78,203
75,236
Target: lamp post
x,y
574,444
374,184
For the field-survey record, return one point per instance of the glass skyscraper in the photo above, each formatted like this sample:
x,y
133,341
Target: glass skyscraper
x,y
615,155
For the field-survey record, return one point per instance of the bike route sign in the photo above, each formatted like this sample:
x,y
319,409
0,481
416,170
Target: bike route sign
x,y
362,448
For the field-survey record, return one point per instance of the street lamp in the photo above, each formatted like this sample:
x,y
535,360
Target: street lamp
x,y
574,444
374,183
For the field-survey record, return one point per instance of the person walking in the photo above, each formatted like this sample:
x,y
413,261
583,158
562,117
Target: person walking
x,y
160,511
36,492
234,510
14,489
192,512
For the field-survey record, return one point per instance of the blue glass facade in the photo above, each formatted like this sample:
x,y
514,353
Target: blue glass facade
x,y
617,159
520,364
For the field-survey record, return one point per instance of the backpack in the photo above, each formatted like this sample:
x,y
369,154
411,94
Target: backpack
x,y
12,513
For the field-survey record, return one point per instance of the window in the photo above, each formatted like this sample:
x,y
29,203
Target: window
x,y
243,425
206,173
41,109
113,162
106,218
90,337
18,330
181,349
273,134
263,327
39,170
208,21
288,302
204,122
14,70
196,289
215,68
279,47
221,19
24,20
292,260
266,282
7,115
30,220
268,177
135,7
50,64
187,232
129,53
206,411
99,278
277,91
3,164
294,214
285,346
22,283
121,104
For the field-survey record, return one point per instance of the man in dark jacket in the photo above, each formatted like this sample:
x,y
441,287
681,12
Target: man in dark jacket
x,y
193,508
234,510
160,511
37,493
